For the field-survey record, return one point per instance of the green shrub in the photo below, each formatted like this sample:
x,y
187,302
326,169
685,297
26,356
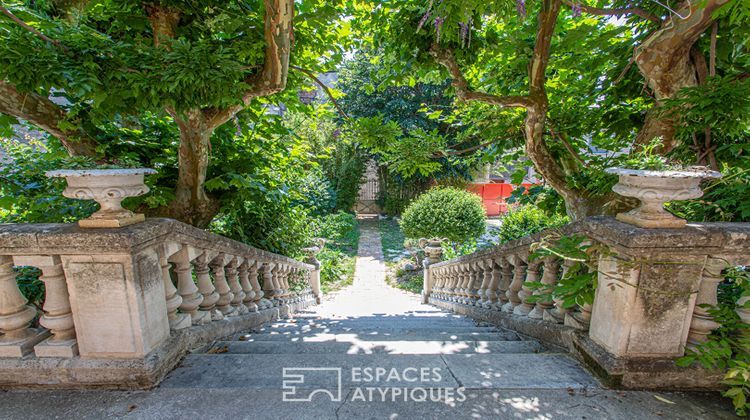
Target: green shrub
x,y
526,220
449,213
317,193
340,230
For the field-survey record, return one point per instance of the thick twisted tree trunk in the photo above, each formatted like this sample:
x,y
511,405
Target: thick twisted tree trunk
x,y
191,203
665,61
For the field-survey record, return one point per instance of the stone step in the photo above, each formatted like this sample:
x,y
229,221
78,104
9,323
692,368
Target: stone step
x,y
380,335
438,316
375,347
369,329
472,371
378,324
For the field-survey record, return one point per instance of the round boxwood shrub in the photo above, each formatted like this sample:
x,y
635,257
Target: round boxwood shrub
x,y
449,213
526,220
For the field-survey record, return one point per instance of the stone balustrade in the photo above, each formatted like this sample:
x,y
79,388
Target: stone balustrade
x,y
139,296
652,284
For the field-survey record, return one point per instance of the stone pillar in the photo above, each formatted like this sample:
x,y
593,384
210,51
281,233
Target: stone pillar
x,y
644,302
549,279
702,323
433,254
532,275
248,269
17,338
174,300
315,279
118,304
191,298
206,286
519,274
57,316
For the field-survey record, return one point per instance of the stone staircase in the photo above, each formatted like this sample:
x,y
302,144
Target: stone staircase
x,y
456,351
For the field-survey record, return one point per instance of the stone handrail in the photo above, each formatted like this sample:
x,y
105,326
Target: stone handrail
x,y
121,293
651,283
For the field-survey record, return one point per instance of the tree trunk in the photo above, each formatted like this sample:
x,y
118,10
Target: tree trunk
x,y
48,116
664,60
191,204
576,203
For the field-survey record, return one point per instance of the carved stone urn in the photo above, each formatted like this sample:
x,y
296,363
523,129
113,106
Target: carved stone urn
x,y
312,251
108,187
432,250
653,189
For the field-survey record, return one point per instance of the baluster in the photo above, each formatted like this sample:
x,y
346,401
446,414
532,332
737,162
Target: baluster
x,y
519,273
247,270
268,286
703,323
206,286
478,293
57,316
294,273
469,288
450,288
445,290
224,304
437,290
465,284
232,271
549,278
191,298
506,277
485,283
579,319
174,300
263,302
532,275
492,276
278,292
284,283
557,313
459,280
17,337
473,289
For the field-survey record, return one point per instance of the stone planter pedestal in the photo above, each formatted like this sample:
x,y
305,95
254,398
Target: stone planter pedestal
x,y
653,189
108,187
433,254
311,252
